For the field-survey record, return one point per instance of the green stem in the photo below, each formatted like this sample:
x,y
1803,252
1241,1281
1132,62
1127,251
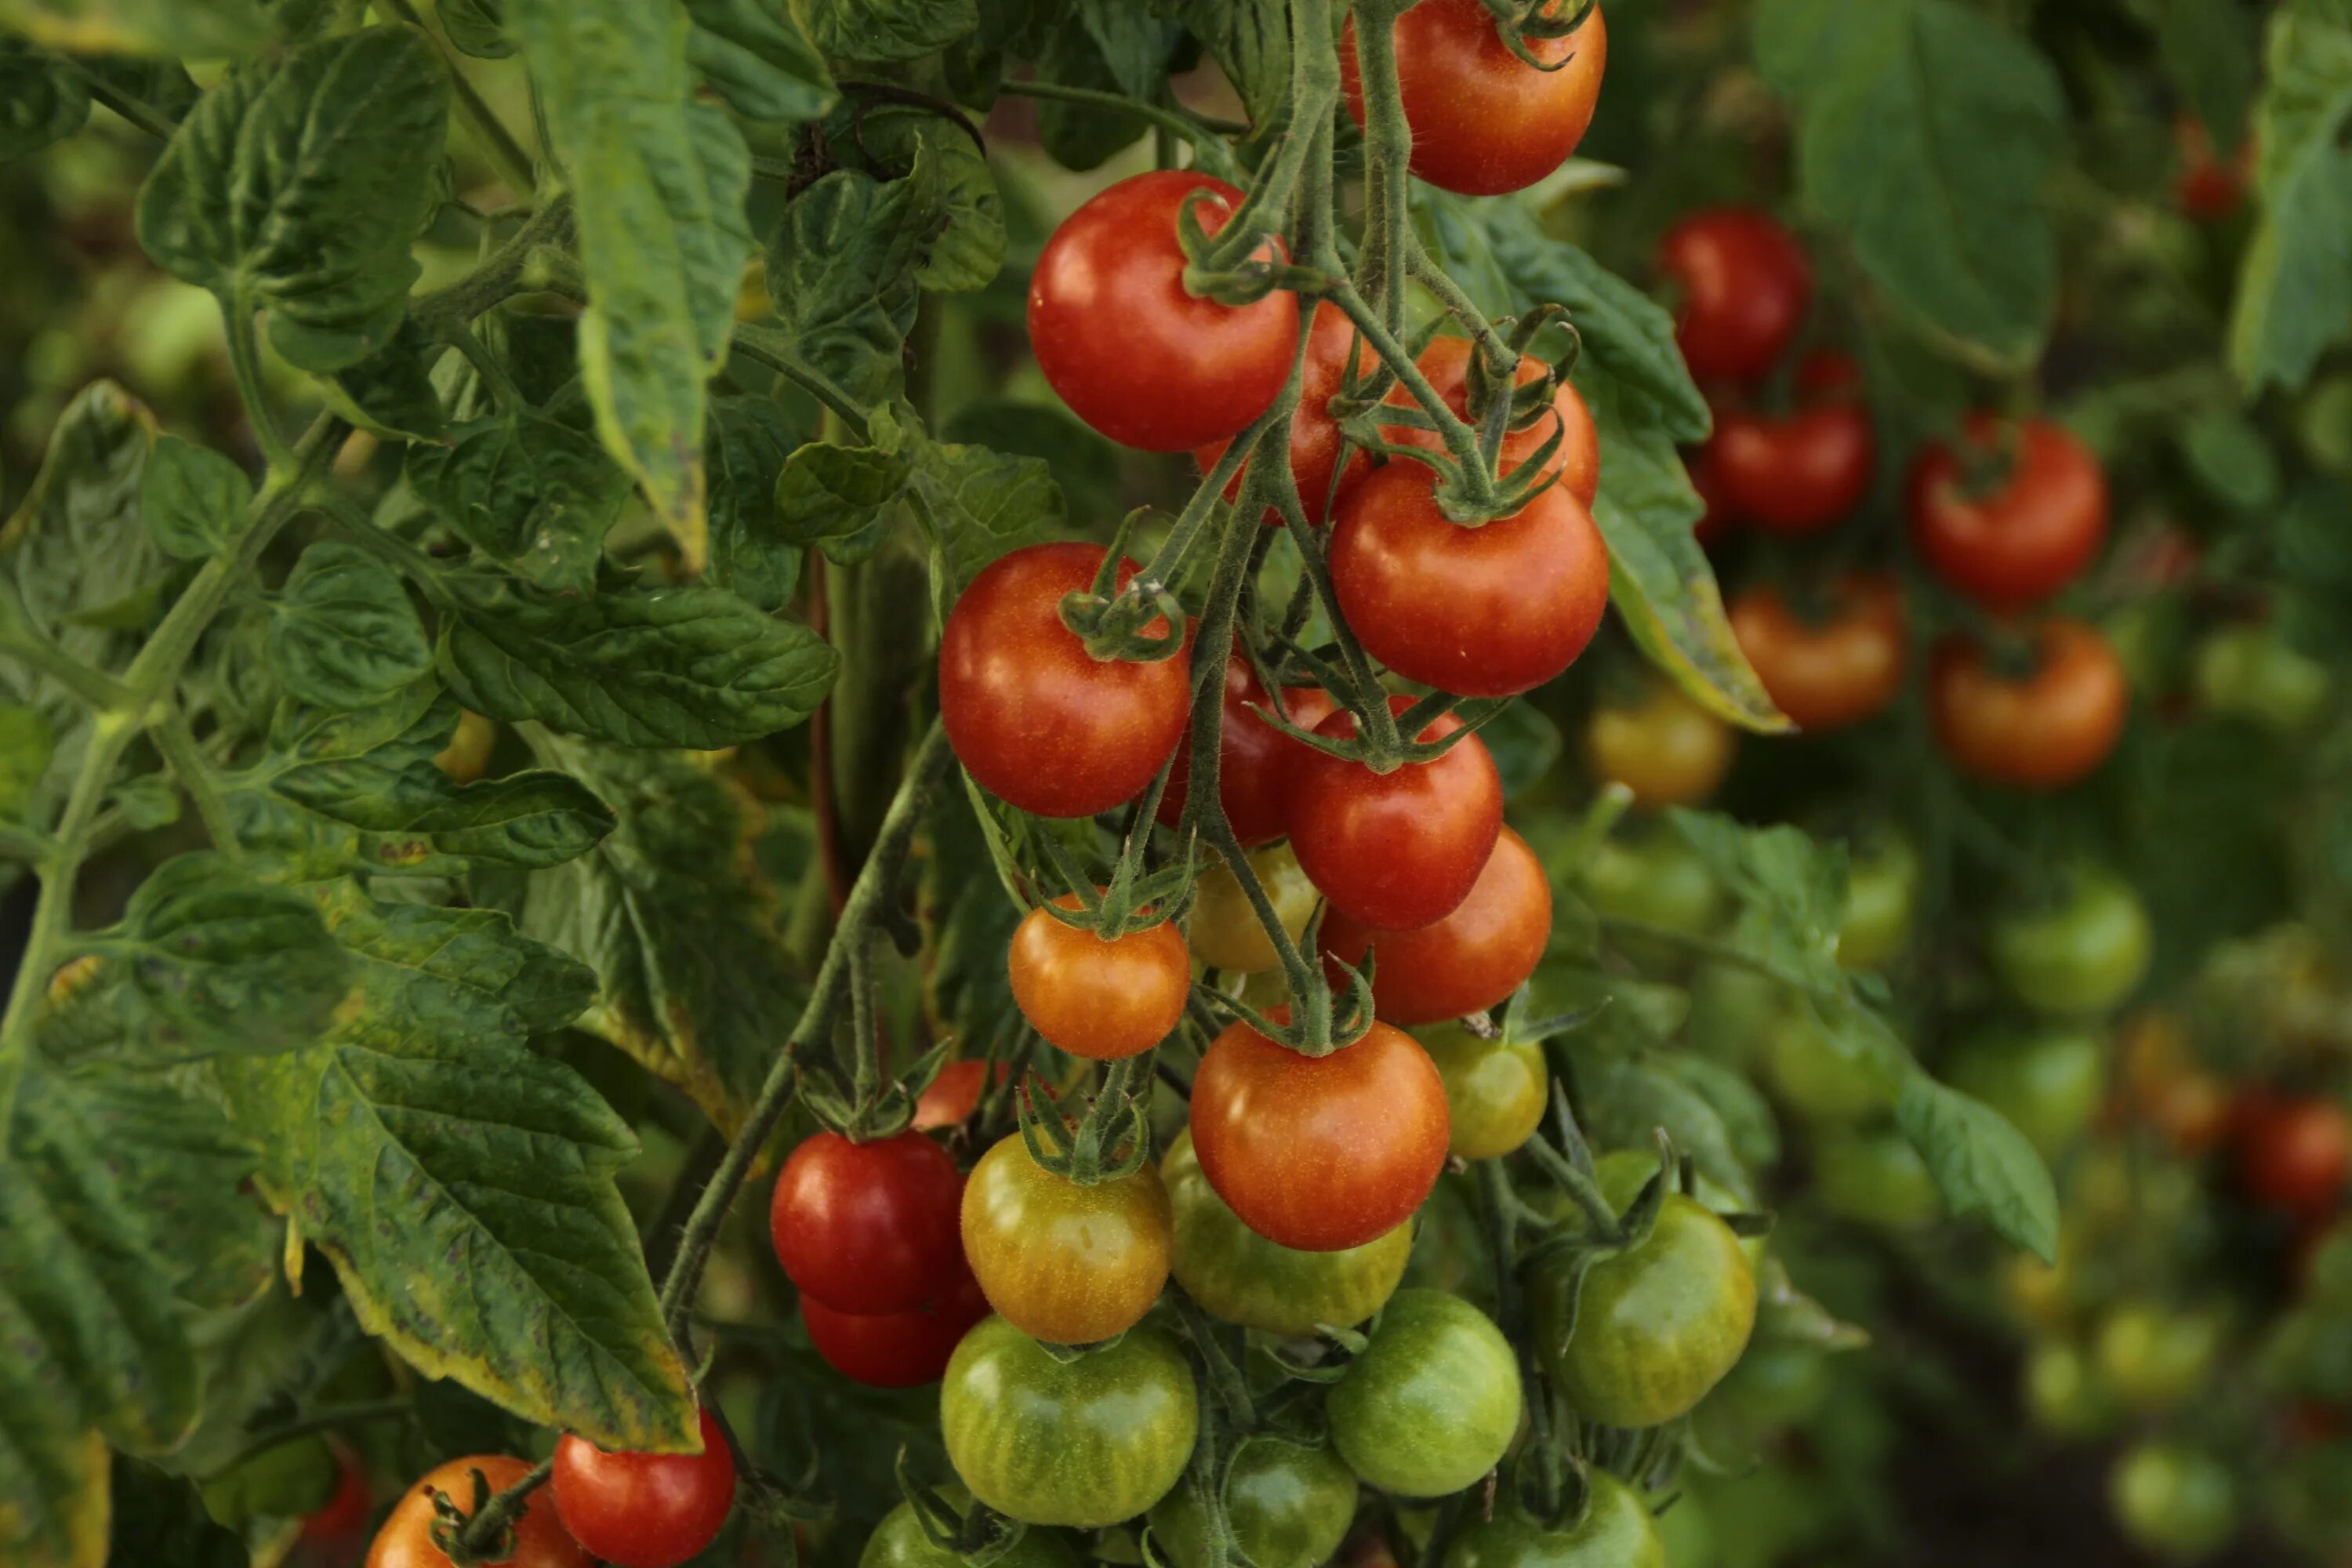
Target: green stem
x,y
1232,1388
28,642
178,744
769,347
245,364
140,113
482,1531
496,141
500,276
1196,129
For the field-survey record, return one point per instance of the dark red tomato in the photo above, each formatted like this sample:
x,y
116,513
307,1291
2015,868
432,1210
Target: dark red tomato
x,y
2039,731
1489,611
1130,350
1101,1000
1828,672
1802,472
406,1539
897,1349
2028,536
644,1510
868,1228
335,1529
1484,120
1036,720
1746,286
2208,186
1314,438
1320,1153
954,1095
1575,463
1400,849
1253,756
1469,961
2293,1154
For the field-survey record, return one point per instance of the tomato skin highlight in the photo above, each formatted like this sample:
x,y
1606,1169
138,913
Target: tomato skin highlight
x,y
1083,1443
1496,1091
1289,1506
1489,611
644,1510
1484,122
1471,959
1314,438
1063,1263
1432,1403
1401,849
1665,748
1575,463
1320,1154
1132,353
1839,671
867,1228
2042,731
1101,1000
1746,286
1253,758
1616,1531
407,1539
897,1349
2023,541
1239,1277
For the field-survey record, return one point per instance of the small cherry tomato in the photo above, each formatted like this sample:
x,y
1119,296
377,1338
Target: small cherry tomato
x,y
2039,731
1432,1403
897,1349
2208,186
1061,1262
1134,353
644,1510
1314,438
900,1542
2294,1154
1471,959
1320,1153
1098,999
1399,849
1829,670
867,1228
2156,1357
336,1528
1653,878
1035,718
1817,1078
954,1094
1484,120
1746,285
1873,1176
1575,463
2174,1500
1488,611
1288,1505
2031,533
1881,895
2079,955
1224,929
1665,748
2048,1082
1804,471
406,1539
467,755
1496,1091
1253,758
1615,1530
2252,673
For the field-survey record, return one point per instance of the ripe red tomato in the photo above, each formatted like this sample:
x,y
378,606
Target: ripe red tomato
x,y
1035,718
406,1539
897,1349
1102,1000
1253,758
644,1510
1746,286
2293,1154
334,1529
2030,535
2208,188
2041,731
1806,471
1320,1153
1488,611
1130,350
1833,671
1471,959
868,1228
954,1094
1067,1264
1575,463
1484,120
1399,849
1314,438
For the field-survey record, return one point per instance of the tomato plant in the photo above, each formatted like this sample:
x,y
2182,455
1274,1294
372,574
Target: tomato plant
x,y
1804,471
1664,747
644,1510
2042,728
1496,1091
2080,953
2018,538
1827,670
1566,424
897,1349
1288,1505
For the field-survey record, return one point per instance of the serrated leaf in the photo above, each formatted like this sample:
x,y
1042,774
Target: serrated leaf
x,y
196,29
758,58
1115,48
147,801
477,27
1983,1164
981,504
343,633
1941,193
751,553
888,29
2294,292
889,141
1752,1133
1250,39
297,188
41,100
192,497
840,272
27,742
526,490
390,393
839,498
1624,1102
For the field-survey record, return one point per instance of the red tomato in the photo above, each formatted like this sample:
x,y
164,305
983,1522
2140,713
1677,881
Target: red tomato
x,y
2026,538
897,1350
406,1539
2208,188
1102,1000
1471,959
1484,120
1802,472
2040,730
1833,671
1320,1153
954,1095
1746,286
1315,439
868,1228
644,1510
1575,463
1130,350
1253,758
1488,611
1399,849
1036,720
2293,1154
335,1529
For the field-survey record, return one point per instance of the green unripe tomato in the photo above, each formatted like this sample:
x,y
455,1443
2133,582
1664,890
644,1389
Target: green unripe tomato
x,y
1655,879
1495,1091
2063,1393
1289,1507
1432,1403
2152,1357
2048,1082
1821,1082
2077,957
2251,673
1732,1009
2173,1500
1615,1530
898,1542
1882,897
1777,1383
1873,1176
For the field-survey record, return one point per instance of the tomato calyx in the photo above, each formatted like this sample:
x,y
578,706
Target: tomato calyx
x,y
1114,622
1108,1142
975,1533
1518,21
476,1535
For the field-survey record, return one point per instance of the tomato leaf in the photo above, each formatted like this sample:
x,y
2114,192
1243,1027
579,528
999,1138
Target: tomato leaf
x,y
745,451
981,503
1250,39
195,29
343,633
529,489
888,29
390,393
759,59
477,27
192,497
2294,293
1983,1165
2207,50
840,499
1624,1102
840,272
1108,46
27,742
46,101
887,141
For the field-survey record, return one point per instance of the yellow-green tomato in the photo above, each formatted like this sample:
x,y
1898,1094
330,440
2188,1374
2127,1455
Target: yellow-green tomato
x,y
1239,1277
1494,1092
1289,1506
1615,1530
1873,1176
2063,1393
1064,1263
1432,1403
2175,1501
2048,1082
1224,931
2252,673
2154,1357
2080,955
1818,1080
469,750
898,1542
1882,894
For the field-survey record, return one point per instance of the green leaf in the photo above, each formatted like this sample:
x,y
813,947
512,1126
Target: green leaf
x,y
1117,48
461,1183
1525,742
889,142
888,29
41,98
840,498
477,27
1250,39
1625,1101
757,57
1753,1135
343,633
641,667
658,183
526,490
2294,293
195,29
1083,464
1983,1164
979,504
192,497
840,272
2208,49
161,1518
147,802
968,923
390,393
27,742
751,553
297,188
1940,189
